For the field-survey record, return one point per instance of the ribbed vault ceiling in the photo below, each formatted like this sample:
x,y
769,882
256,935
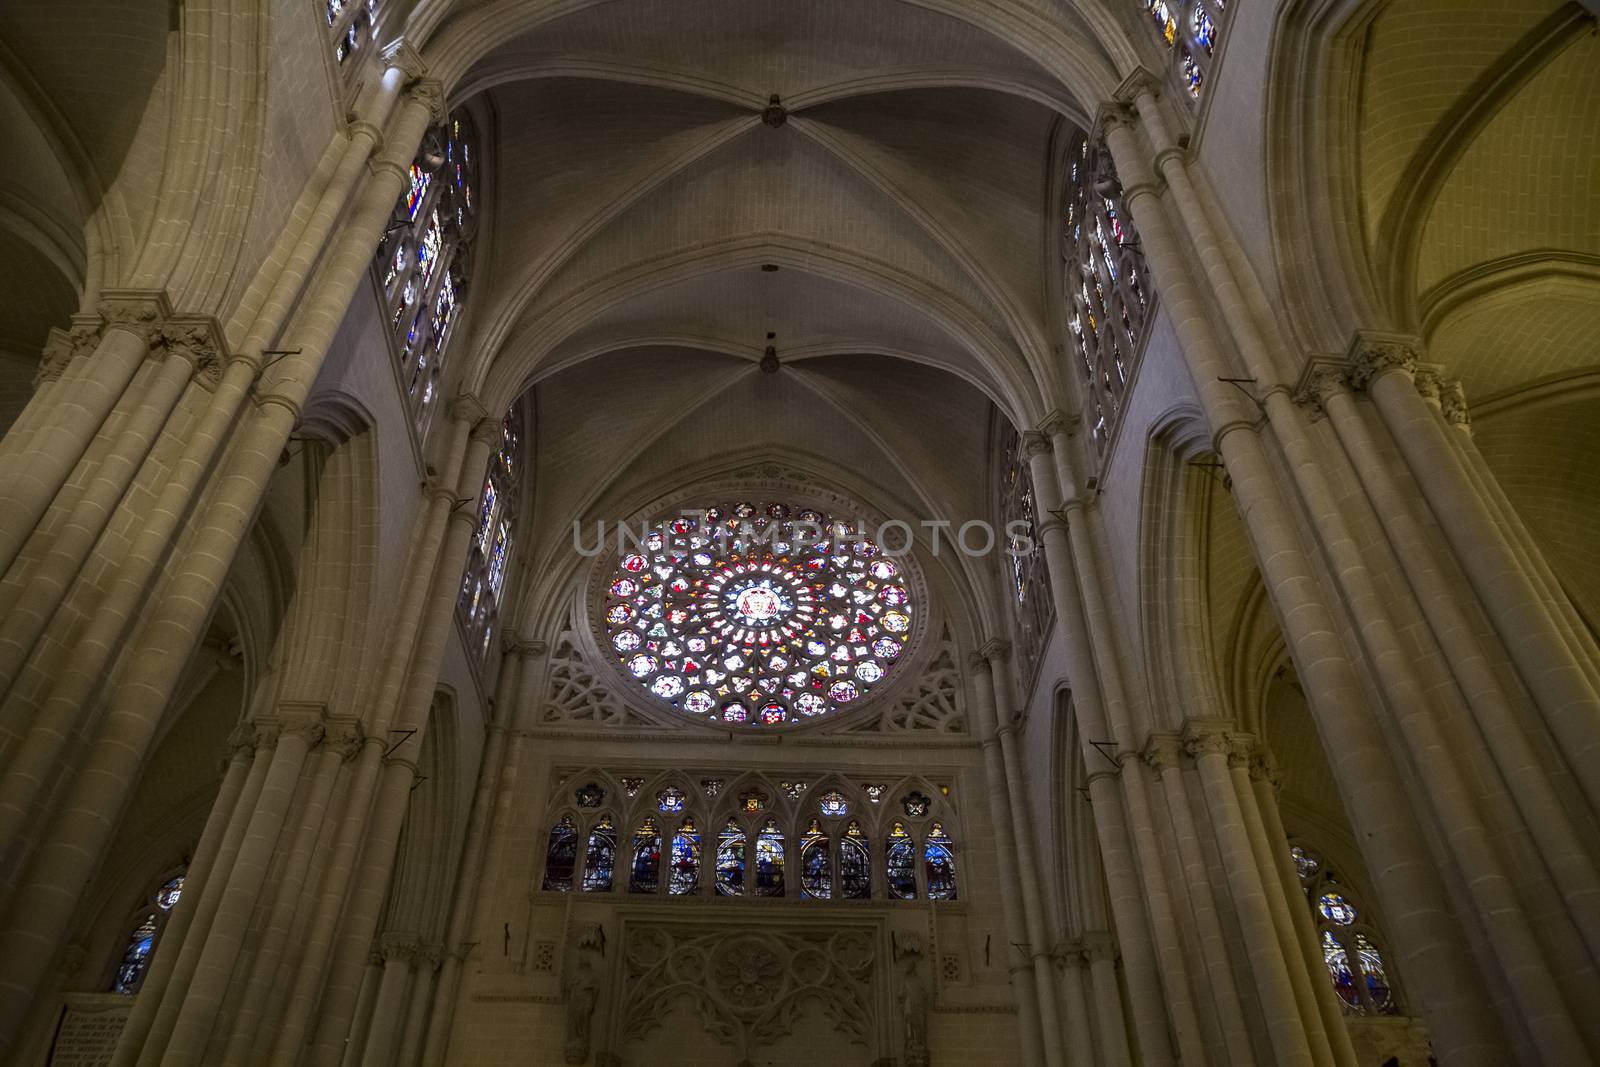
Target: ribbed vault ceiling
x,y
643,194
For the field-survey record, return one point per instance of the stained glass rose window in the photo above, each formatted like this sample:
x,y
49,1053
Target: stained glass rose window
x,y
757,614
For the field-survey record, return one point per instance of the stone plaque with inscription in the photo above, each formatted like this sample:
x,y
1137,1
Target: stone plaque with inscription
x,y
90,1026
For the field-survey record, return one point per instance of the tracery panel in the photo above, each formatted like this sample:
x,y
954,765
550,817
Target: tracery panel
x,y
775,837
489,555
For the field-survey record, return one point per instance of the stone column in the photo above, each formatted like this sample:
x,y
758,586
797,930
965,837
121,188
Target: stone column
x,y
1162,754
371,883
1152,954
1431,946
233,794
383,1034
409,1050
187,347
1027,860
1526,776
77,836
1080,1035
296,732
514,665
1290,1042
341,741
1022,976
32,479
1532,637
1101,950
1329,1006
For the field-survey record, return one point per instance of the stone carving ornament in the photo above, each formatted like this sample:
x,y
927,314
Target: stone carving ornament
x,y
748,988
583,993
913,997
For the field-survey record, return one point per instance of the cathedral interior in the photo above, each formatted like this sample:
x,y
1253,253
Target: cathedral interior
x,y
740,533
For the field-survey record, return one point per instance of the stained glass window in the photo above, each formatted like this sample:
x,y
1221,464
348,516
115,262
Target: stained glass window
x,y
1107,285
483,584
646,876
1187,30
940,864
600,857
855,864
685,878
769,860
827,854
816,864
142,938
730,860
423,263
1031,600
561,855
901,861
353,29
757,614
1350,945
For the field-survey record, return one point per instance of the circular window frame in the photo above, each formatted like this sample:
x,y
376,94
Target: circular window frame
x,y
798,496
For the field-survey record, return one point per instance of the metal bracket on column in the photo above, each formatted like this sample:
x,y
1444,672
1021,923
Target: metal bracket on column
x,y
396,730
459,502
1211,467
1239,384
1106,749
277,354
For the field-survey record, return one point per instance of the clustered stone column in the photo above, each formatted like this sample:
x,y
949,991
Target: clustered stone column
x,y
1354,616
130,481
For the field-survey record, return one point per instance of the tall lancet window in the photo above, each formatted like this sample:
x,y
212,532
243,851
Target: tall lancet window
x,y
1108,287
353,29
1351,946
1026,571
1188,30
144,930
423,261
483,587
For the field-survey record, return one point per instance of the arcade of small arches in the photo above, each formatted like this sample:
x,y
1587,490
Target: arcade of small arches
x,y
1257,734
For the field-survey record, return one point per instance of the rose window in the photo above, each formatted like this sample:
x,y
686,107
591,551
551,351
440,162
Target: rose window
x,y
757,614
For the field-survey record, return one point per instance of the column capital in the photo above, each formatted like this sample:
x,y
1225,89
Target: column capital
x,y
343,734
1163,752
487,432
468,409
403,57
138,311
977,662
1453,403
514,644
1034,443
1139,82
1263,767
1100,947
995,650
1373,354
242,741
1323,378
63,346
1110,114
1057,421
399,947
196,339
1206,739
1068,954
1429,380
429,92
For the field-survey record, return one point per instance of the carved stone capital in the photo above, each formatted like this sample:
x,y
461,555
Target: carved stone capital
x,y
1263,767
1453,403
467,408
242,741
995,650
1240,750
343,734
516,645
1207,741
1100,948
428,92
1373,355
199,342
1140,81
1322,381
1163,752
1034,443
139,311
401,947
63,346
977,662
265,732
1058,422
1429,380
1069,954
487,432
406,59
1112,113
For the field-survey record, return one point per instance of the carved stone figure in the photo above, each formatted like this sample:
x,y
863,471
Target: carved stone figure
x,y
913,998
583,992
